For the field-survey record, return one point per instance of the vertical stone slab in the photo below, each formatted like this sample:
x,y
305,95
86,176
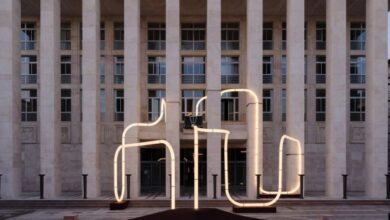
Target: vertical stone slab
x,y
173,93
295,86
376,93
213,102
132,88
336,97
90,99
49,93
10,147
254,82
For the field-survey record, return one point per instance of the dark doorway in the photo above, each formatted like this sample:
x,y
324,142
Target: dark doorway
x,y
237,171
153,172
187,172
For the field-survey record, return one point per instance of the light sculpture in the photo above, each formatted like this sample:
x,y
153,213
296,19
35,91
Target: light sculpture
x,y
121,149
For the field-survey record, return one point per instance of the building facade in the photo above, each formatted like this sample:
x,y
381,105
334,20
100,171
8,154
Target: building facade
x,y
76,72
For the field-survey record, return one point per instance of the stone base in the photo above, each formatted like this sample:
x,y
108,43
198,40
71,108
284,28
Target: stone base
x,y
270,209
119,205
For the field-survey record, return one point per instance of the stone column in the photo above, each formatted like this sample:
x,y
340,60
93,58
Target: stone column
x,y
173,93
213,102
90,99
295,86
376,101
132,88
49,96
254,82
10,146
336,96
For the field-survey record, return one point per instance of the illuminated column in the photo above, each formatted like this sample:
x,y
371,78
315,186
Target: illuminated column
x,y
254,82
172,125
213,101
376,101
295,85
10,99
49,96
336,96
90,86
132,88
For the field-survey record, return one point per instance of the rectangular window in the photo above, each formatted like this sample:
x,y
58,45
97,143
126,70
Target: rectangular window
x,y
81,35
119,105
267,105
268,36
119,36
320,35
156,70
321,69
230,36
230,70
357,104
230,107
66,41
66,105
118,69
357,69
188,102
283,66
102,104
102,36
358,36
29,106
284,36
102,69
66,70
268,69
28,36
193,70
156,36
284,104
193,37
320,104
28,69
154,103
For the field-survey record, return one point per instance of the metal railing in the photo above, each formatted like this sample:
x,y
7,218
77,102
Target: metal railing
x,y
230,79
357,79
66,79
193,79
29,79
156,79
267,78
118,79
320,78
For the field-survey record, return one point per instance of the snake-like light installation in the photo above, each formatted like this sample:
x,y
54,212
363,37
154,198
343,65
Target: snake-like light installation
x,y
256,145
123,146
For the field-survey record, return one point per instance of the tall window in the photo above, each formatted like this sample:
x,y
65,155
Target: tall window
x,y
102,69
320,104
154,103
156,36
188,102
230,107
283,65
230,36
193,37
320,69
358,36
267,105
29,105
230,72
357,105
102,36
28,36
284,36
268,36
66,105
156,70
284,104
320,35
66,70
119,105
66,41
118,69
119,36
102,104
193,70
268,69
358,69
28,69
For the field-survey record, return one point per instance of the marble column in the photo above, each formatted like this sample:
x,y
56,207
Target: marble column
x,y
254,82
10,146
132,88
336,96
213,102
90,99
173,93
376,102
49,96
295,122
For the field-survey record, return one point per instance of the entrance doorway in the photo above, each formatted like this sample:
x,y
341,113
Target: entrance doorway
x,y
187,172
237,172
153,172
